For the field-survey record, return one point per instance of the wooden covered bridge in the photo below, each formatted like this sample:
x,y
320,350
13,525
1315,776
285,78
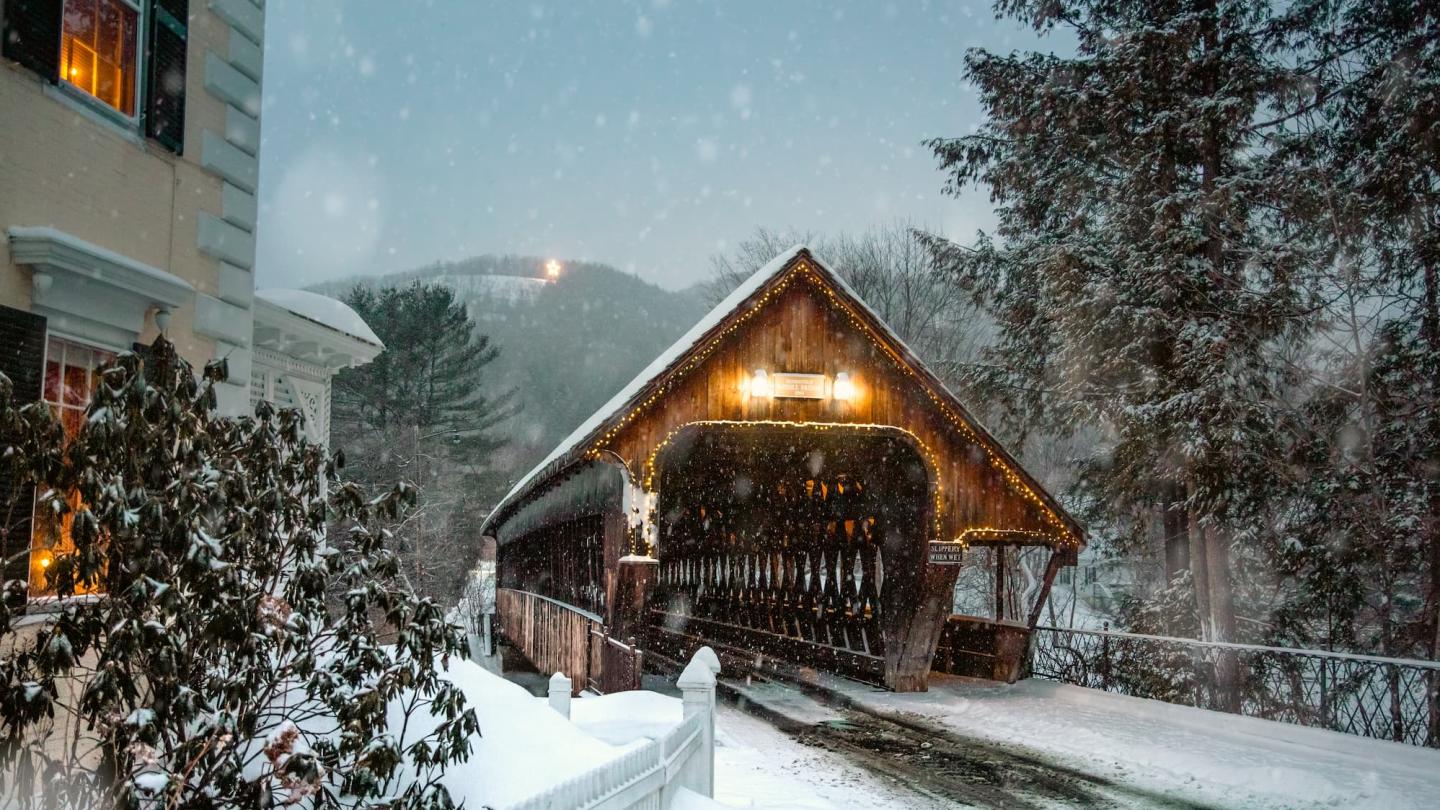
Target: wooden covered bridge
x,y
790,483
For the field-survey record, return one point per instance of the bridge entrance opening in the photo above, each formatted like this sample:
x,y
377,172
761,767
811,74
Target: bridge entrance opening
x,y
804,544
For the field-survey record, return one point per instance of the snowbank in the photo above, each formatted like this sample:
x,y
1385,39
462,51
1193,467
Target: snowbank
x,y
524,746
625,717
756,766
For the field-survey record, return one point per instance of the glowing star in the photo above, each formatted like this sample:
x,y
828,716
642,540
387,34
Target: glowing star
x,y
552,269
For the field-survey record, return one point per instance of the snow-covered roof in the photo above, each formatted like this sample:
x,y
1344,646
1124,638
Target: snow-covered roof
x,y
323,310
740,298
687,341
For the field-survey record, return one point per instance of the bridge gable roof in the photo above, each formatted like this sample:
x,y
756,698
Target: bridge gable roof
x,y
753,293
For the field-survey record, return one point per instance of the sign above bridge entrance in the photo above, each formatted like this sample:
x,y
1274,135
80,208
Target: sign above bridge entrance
x,y
788,385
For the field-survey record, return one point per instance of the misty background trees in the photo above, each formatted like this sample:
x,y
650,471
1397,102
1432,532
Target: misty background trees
x,y
1216,252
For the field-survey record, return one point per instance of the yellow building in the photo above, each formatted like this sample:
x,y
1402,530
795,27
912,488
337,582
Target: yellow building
x,y
129,166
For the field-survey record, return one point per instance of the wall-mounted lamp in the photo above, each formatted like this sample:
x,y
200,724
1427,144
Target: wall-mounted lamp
x,y
162,319
760,384
843,389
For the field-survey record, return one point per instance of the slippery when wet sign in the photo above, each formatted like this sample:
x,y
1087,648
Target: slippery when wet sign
x,y
946,553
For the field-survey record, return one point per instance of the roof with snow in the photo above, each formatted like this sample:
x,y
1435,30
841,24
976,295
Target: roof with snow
x,y
744,297
323,310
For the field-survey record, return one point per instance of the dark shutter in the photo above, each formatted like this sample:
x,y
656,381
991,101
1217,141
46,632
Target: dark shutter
x,y
165,69
145,351
22,359
30,35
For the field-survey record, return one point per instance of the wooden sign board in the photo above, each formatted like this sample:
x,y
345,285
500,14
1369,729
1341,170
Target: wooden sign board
x,y
798,386
946,553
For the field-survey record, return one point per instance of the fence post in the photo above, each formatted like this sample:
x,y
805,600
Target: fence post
x,y
1105,659
1397,716
712,661
697,689
560,694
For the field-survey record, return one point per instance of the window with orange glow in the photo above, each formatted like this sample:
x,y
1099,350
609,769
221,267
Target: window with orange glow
x,y
97,50
71,374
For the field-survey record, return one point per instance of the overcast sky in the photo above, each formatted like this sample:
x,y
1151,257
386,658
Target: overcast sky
x,y
646,135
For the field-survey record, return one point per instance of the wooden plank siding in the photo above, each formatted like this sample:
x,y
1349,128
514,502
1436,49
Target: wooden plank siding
x,y
802,329
552,636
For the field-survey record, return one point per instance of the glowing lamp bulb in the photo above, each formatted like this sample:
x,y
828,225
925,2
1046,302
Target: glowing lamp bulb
x,y
760,383
844,388
45,561
552,269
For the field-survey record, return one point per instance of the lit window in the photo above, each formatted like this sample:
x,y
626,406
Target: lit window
x,y
71,374
97,50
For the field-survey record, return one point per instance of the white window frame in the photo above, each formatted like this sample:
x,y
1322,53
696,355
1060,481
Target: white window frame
x,y
72,92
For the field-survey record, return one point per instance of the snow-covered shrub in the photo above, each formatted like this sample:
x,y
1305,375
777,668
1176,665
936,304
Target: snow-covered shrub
x,y
208,664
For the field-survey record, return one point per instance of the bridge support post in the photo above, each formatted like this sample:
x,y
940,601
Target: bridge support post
x,y
634,583
912,623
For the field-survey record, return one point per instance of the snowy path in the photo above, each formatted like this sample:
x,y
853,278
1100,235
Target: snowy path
x,y
1145,753
927,766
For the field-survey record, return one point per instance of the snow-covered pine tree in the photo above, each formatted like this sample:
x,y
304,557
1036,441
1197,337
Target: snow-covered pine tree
x,y
423,411
192,659
1366,543
1144,267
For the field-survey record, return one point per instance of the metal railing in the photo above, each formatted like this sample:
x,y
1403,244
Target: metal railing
x,y
1370,696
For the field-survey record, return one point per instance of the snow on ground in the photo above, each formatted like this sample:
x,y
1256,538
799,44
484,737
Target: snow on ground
x,y
1177,751
756,766
524,746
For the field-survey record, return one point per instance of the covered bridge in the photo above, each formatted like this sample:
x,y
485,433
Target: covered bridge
x,y
789,480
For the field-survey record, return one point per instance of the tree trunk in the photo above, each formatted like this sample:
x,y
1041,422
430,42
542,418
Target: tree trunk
x,y
1222,618
1177,539
1199,570
1430,333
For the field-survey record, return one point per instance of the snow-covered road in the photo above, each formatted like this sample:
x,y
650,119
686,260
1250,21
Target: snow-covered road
x,y
1129,751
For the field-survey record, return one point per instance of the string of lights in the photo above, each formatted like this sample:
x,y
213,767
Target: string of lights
x,y
805,271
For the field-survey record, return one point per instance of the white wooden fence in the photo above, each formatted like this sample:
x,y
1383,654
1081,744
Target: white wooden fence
x,y
651,776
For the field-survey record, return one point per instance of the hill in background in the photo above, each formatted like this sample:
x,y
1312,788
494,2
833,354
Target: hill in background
x,y
565,347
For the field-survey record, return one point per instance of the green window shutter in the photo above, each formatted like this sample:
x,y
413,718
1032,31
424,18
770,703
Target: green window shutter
x,y
22,360
165,55
30,35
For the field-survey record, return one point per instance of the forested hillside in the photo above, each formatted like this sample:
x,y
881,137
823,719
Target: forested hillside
x,y
564,347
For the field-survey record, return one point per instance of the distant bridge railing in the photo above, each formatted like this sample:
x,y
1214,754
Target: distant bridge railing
x,y
1386,698
559,637
552,635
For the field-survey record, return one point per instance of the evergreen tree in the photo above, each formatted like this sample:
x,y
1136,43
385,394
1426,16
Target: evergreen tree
x,y
1366,541
1145,269
421,411
205,668
429,378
